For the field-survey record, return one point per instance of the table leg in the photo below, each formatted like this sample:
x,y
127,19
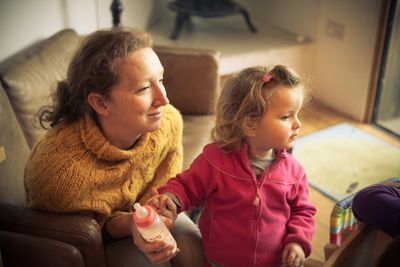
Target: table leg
x,y
247,19
180,19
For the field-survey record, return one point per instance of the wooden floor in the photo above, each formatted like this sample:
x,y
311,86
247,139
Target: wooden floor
x,y
316,117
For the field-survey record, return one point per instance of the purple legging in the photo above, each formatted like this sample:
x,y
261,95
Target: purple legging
x,y
379,206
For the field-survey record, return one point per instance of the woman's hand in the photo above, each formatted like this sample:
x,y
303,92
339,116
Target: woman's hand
x,y
293,255
157,252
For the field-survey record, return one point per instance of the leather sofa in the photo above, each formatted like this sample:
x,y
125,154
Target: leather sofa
x,y
37,238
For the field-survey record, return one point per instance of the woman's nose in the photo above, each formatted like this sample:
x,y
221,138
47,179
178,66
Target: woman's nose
x,y
160,96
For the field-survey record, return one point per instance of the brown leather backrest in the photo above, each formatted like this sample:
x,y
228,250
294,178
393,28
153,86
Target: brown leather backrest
x,y
81,232
191,78
28,250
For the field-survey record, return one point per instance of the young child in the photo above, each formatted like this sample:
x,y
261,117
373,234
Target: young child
x,y
255,194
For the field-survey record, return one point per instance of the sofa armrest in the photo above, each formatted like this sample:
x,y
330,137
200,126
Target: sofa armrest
x,y
79,231
27,250
191,78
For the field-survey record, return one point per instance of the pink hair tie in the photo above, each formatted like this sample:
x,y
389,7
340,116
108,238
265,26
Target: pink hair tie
x,y
267,77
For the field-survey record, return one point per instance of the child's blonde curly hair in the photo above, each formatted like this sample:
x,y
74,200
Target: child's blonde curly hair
x,y
246,95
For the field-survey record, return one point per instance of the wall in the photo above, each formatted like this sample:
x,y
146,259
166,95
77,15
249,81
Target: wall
x,y
300,17
344,33
23,23
343,65
342,55
344,36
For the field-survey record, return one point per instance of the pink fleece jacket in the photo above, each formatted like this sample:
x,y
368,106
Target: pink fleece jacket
x,y
246,221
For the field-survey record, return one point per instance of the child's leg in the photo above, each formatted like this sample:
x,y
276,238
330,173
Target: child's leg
x,y
188,238
379,206
124,253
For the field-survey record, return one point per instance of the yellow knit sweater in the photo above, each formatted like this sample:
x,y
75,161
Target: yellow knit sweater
x,y
74,169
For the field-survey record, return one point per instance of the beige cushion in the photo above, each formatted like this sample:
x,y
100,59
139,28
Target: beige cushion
x,y
30,78
196,134
16,151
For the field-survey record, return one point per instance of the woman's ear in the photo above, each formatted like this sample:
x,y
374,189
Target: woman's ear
x,y
96,101
249,127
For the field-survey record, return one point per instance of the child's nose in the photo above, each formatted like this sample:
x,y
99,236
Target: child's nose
x,y
297,123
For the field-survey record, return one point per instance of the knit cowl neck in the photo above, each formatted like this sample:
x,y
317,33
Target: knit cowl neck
x,y
98,144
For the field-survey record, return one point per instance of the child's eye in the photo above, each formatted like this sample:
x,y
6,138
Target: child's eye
x,y
284,117
161,81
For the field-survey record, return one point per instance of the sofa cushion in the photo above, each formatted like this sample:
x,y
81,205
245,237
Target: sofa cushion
x,y
31,75
16,150
196,134
191,78
79,231
28,250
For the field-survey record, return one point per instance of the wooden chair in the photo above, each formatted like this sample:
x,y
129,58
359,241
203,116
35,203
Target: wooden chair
x,y
352,243
363,247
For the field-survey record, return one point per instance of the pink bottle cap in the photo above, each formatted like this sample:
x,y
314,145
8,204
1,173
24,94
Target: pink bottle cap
x,y
144,216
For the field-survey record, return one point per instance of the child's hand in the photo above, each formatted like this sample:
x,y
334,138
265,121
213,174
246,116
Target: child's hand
x,y
164,206
293,255
154,200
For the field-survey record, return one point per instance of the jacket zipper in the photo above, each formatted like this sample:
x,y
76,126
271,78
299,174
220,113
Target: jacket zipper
x,y
260,183
256,202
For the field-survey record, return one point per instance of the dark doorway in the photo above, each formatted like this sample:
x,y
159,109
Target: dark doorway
x,y
386,113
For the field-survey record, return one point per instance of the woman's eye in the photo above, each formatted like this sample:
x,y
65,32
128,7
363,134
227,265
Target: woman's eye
x,y
142,89
161,81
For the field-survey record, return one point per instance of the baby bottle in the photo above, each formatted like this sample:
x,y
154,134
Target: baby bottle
x,y
150,226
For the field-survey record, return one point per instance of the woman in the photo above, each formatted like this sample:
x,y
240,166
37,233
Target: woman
x,y
113,139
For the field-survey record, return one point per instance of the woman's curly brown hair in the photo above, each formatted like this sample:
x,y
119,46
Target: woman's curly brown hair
x,y
94,68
